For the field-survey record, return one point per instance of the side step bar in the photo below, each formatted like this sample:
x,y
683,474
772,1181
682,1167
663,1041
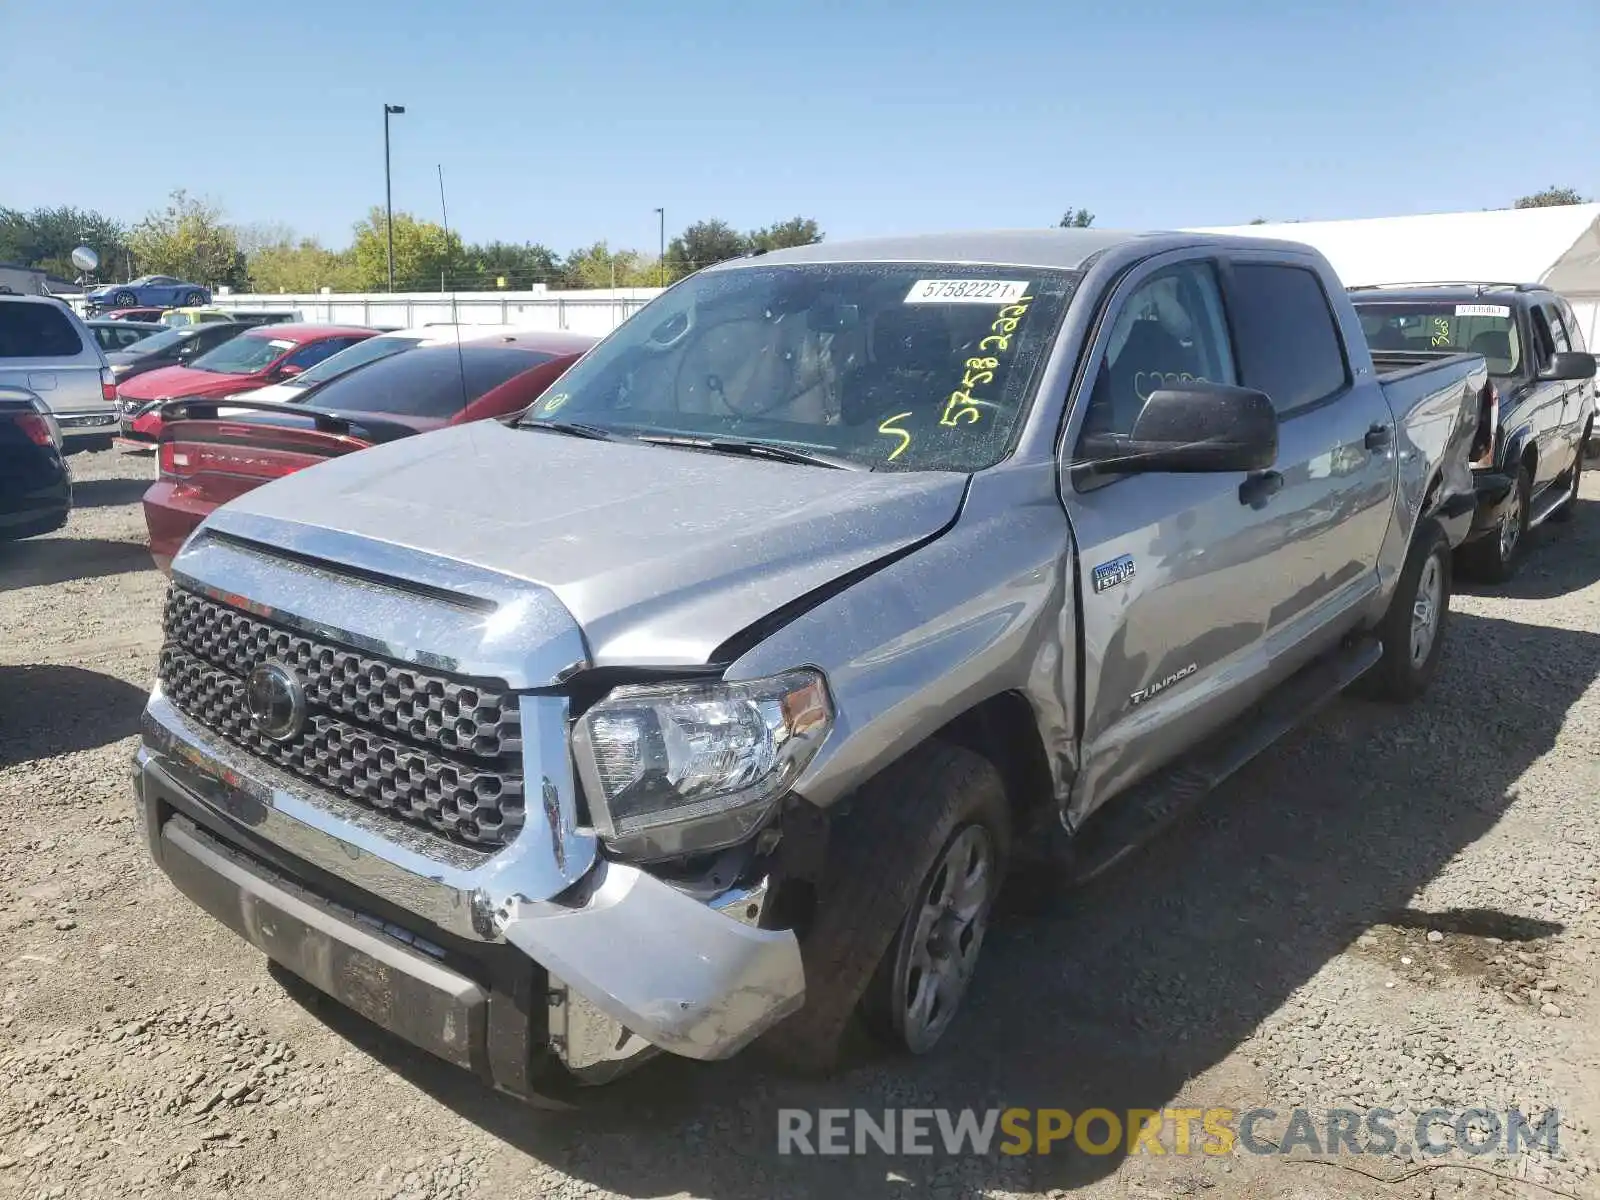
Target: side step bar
x,y
1133,820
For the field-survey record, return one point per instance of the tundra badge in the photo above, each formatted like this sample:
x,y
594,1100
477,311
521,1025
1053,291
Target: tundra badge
x,y
1156,689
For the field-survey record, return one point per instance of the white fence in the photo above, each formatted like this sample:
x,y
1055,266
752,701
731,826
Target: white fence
x,y
595,312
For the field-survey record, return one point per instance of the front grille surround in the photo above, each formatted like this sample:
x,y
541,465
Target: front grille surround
x,y
418,744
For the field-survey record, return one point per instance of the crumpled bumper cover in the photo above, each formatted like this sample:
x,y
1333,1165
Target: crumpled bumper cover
x,y
671,969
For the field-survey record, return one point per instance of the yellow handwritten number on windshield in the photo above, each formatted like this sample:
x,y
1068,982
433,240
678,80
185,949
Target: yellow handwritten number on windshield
x,y
555,402
890,429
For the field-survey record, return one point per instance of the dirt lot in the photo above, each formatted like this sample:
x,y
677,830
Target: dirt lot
x,y
1395,908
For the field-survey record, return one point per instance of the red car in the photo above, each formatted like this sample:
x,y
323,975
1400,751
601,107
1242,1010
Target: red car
x,y
206,460
253,359
132,314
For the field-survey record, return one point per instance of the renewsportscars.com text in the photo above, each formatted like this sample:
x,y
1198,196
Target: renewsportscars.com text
x,y
1178,1131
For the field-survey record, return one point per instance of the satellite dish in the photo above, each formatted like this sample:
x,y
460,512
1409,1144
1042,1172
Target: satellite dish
x,y
85,259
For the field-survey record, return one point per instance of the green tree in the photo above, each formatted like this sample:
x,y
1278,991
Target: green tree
x,y
46,238
701,244
598,266
1080,218
796,231
423,253
519,265
305,265
189,239
1551,197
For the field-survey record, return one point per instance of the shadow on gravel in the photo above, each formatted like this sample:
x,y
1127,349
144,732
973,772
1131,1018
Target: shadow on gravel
x,y
1133,986
105,493
44,561
1558,560
1476,922
50,710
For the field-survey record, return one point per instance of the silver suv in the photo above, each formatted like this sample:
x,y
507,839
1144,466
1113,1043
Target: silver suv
x,y
47,349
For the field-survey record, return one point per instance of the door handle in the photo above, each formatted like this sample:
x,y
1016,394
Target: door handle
x,y
1379,437
1259,488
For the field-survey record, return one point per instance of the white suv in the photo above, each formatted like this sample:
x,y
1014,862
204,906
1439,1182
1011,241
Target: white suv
x,y
46,348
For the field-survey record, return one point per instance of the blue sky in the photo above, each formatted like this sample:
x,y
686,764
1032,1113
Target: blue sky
x,y
567,123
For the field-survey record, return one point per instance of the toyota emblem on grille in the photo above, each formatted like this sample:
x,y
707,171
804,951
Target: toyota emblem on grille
x,y
276,701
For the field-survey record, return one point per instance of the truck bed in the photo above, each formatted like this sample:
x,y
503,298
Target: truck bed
x,y
1395,364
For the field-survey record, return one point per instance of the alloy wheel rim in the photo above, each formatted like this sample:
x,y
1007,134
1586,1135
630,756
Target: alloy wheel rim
x,y
1425,611
1511,526
950,918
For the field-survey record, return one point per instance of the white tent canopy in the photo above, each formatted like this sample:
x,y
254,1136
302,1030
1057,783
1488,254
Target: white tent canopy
x,y
1557,246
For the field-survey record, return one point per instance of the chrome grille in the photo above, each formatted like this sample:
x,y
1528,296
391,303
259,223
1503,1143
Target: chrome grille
x,y
423,746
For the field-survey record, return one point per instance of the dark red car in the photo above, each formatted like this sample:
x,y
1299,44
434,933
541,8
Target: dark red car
x,y
206,460
255,358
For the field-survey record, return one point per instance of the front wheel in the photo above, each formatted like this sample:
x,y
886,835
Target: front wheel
x,y
1412,631
125,300
913,870
1495,557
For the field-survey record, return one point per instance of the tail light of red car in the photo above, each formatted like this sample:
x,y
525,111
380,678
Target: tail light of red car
x,y
1483,442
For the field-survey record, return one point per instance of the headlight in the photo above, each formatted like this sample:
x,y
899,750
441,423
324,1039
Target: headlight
x,y
676,768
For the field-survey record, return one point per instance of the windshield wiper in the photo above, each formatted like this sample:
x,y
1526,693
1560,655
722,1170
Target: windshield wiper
x,y
571,429
777,453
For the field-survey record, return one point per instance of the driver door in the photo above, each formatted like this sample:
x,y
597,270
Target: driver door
x,y
1174,574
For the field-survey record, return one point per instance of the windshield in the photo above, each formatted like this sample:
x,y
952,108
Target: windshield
x,y
158,342
1486,329
894,366
243,355
429,382
346,360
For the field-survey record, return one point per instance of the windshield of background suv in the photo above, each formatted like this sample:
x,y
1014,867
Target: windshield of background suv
x,y
370,350
893,366
243,355
1486,329
158,342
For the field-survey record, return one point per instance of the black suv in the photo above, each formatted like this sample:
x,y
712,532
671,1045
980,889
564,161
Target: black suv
x,y
1543,387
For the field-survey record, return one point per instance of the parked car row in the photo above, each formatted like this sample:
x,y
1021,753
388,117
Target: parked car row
x,y
713,695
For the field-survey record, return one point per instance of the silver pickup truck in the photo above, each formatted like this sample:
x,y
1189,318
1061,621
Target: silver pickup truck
x,y
714,697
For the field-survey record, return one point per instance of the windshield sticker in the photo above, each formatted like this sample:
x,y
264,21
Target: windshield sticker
x,y
1482,310
280,345
966,291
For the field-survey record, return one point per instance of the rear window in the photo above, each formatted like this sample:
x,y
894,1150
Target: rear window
x,y
37,331
1477,328
431,381
361,353
1288,343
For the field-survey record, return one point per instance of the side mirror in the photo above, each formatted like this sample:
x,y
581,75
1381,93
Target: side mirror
x,y
1194,427
289,371
1569,364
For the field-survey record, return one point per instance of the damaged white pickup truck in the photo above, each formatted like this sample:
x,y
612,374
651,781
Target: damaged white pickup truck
x,y
715,696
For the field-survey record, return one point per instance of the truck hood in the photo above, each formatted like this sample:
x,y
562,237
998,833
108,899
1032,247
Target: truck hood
x,y
659,554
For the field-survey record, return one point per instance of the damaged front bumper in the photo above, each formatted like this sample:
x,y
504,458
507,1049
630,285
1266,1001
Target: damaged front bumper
x,y
542,951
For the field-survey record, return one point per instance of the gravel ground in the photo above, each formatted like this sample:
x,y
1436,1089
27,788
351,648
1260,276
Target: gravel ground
x,y
1393,908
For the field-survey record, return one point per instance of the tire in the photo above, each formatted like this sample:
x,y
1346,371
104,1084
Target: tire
x,y
194,300
1495,558
1569,508
1403,673
883,856
124,300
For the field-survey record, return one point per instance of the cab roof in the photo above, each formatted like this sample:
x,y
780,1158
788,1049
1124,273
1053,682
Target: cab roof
x,y
1060,249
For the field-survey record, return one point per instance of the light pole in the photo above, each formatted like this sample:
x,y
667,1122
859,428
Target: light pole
x,y
661,261
388,190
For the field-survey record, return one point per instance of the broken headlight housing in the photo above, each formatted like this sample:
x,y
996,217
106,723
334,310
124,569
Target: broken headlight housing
x,y
679,768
